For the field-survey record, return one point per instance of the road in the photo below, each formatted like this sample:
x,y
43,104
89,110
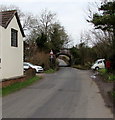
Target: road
x,y
62,62
68,93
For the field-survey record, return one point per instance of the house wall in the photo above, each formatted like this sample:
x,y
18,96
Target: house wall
x,y
12,57
0,51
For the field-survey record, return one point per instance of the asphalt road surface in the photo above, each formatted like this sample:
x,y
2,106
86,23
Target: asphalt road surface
x,y
62,62
68,93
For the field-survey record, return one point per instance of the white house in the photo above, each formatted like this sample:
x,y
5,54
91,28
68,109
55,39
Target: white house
x,y
11,45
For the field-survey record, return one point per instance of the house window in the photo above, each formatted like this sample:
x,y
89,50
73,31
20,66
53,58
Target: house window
x,y
14,38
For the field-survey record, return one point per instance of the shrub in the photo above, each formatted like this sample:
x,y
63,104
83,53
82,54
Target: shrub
x,y
40,58
103,71
30,73
111,77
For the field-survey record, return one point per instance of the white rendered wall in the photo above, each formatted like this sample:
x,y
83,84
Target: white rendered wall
x,y
12,57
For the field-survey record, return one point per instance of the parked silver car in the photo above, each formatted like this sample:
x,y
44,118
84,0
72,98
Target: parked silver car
x,y
27,65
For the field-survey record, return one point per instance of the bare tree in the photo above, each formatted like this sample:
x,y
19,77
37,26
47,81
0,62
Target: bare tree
x,y
102,41
29,22
46,20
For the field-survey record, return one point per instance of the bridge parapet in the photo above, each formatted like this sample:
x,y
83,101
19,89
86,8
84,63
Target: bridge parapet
x,y
65,51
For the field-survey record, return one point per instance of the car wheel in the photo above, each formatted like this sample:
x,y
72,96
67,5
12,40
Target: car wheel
x,y
97,68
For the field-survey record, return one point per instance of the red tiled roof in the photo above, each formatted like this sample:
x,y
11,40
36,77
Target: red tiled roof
x,y
6,17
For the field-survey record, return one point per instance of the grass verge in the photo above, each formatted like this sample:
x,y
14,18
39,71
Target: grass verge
x,y
50,71
17,86
81,67
108,77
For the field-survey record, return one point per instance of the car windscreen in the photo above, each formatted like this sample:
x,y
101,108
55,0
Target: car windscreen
x,y
25,64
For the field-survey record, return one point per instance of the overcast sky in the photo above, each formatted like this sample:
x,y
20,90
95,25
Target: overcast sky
x,y
70,13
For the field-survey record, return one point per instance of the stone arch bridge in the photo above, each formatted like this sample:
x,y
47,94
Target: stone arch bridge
x,y
65,52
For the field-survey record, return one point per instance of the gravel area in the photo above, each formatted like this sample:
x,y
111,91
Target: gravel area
x,y
105,88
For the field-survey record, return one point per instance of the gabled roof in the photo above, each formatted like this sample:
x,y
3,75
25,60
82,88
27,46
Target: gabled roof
x,y
6,17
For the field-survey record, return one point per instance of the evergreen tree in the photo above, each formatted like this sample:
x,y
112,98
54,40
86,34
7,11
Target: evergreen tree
x,y
106,22
41,41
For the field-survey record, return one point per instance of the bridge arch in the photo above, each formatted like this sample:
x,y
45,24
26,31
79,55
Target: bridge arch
x,y
66,54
